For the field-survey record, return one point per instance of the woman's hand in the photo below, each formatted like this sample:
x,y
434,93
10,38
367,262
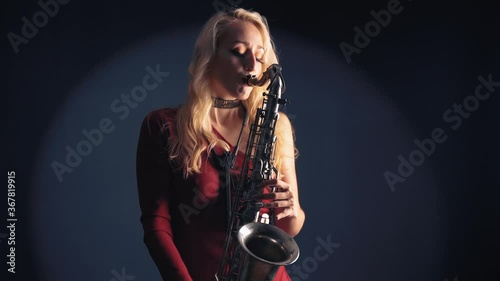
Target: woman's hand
x,y
283,191
281,196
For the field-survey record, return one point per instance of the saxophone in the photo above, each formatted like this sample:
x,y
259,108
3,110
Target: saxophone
x,y
255,248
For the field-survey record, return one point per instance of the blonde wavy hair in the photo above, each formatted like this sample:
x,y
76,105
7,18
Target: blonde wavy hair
x,y
193,125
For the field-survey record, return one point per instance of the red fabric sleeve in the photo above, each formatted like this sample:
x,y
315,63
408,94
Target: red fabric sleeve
x,y
154,175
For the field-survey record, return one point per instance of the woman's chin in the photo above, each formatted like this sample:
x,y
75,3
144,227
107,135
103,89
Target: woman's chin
x,y
244,92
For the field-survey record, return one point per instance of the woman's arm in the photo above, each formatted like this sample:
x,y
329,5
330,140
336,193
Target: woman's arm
x,y
153,179
289,214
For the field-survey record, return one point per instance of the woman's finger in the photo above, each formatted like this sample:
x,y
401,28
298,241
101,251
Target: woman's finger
x,y
266,183
274,196
276,204
274,183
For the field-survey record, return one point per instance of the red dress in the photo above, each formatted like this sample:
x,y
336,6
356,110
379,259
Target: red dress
x,y
184,220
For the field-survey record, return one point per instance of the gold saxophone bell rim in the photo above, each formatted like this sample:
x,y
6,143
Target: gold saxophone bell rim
x,y
275,236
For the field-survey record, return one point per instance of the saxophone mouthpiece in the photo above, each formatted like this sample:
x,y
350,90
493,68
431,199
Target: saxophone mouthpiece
x,y
253,81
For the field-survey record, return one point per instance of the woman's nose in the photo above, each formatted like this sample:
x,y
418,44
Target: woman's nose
x,y
250,62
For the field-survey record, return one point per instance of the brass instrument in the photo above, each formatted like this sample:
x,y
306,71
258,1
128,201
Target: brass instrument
x,y
255,248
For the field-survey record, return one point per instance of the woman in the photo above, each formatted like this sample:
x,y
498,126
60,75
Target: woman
x,y
180,180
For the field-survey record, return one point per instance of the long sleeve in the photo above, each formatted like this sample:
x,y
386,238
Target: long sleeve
x,y
154,175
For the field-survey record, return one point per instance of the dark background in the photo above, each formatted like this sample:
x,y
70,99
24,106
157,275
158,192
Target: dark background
x,y
424,61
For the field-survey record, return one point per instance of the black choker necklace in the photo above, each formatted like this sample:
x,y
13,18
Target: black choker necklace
x,y
222,103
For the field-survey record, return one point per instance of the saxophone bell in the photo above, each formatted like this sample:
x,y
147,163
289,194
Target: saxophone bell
x,y
268,248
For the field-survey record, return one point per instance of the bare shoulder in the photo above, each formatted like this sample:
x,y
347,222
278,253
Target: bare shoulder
x,y
284,119
286,124
286,131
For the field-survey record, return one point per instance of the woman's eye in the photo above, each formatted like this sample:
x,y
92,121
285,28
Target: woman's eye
x,y
237,53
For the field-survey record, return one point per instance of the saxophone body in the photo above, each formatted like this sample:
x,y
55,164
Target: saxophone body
x,y
255,248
